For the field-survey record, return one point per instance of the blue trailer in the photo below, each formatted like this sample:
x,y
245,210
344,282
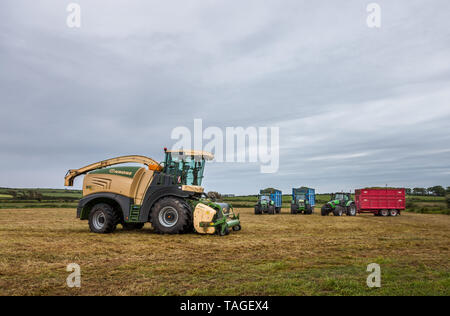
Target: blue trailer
x,y
269,201
303,200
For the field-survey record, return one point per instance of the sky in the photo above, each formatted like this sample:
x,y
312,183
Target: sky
x,y
355,106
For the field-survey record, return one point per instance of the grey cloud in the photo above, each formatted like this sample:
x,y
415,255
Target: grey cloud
x,y
355,106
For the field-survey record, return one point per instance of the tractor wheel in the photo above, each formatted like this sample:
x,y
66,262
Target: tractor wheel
x,y
103,219
337,211
324,211
384,213
171,215
271,210
132,226
393,213
308,210
278,210
257,211
351,210
293,209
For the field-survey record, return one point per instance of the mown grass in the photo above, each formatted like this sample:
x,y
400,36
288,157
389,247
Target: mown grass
x,y
273,255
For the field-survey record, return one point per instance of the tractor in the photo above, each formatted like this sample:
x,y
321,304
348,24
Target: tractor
x,y
269,202
168,195
303,201
339,204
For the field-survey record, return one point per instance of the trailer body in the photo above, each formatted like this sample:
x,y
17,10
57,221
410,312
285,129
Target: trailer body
x,y
275,195
380,201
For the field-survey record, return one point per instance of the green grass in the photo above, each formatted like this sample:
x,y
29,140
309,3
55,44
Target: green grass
x,y
273,255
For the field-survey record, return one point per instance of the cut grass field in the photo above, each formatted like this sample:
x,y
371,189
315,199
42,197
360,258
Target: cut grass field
x,y
273,255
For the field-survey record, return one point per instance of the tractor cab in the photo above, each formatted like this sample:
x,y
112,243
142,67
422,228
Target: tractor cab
x,y
342,198
186,167
265,200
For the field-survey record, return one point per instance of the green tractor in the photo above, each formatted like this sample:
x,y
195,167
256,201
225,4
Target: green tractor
x,y
340,203
303,201
269,202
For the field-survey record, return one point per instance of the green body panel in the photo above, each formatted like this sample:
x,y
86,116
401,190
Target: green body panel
x,y
128,172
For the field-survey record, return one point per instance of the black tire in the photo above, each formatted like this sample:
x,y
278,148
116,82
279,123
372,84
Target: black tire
x,y
351,211
171,215
237,228
393,213
293,209
257,210
271,210
223,233
132,226
337,211
324,211
308,210
103,219
278,210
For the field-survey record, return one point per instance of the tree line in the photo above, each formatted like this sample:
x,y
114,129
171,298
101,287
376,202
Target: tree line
x,y
437,190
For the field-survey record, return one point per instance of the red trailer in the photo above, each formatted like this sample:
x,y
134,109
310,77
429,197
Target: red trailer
x,y
381,202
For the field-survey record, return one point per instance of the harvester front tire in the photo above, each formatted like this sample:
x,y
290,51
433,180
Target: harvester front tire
x,y
132,226
171,215
103,219
237,228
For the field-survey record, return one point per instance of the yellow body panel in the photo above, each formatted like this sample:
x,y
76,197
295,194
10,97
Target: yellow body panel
x,y
192,188
134,188
204,213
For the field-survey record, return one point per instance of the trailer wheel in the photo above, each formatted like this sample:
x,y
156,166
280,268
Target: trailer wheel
x,y
171,215
103,219
393,213
132,226
351,210
384,213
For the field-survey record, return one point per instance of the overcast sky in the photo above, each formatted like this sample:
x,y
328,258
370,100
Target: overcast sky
x,y
356,106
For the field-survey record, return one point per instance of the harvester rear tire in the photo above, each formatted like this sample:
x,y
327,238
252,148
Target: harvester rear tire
x,y
223,233
132,226
103,219
171,215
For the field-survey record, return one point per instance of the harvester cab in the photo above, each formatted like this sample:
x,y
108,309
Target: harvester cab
x,y
168,195
339,204
303,201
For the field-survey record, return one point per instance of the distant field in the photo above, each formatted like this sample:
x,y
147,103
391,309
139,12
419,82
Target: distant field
x,y
273,255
